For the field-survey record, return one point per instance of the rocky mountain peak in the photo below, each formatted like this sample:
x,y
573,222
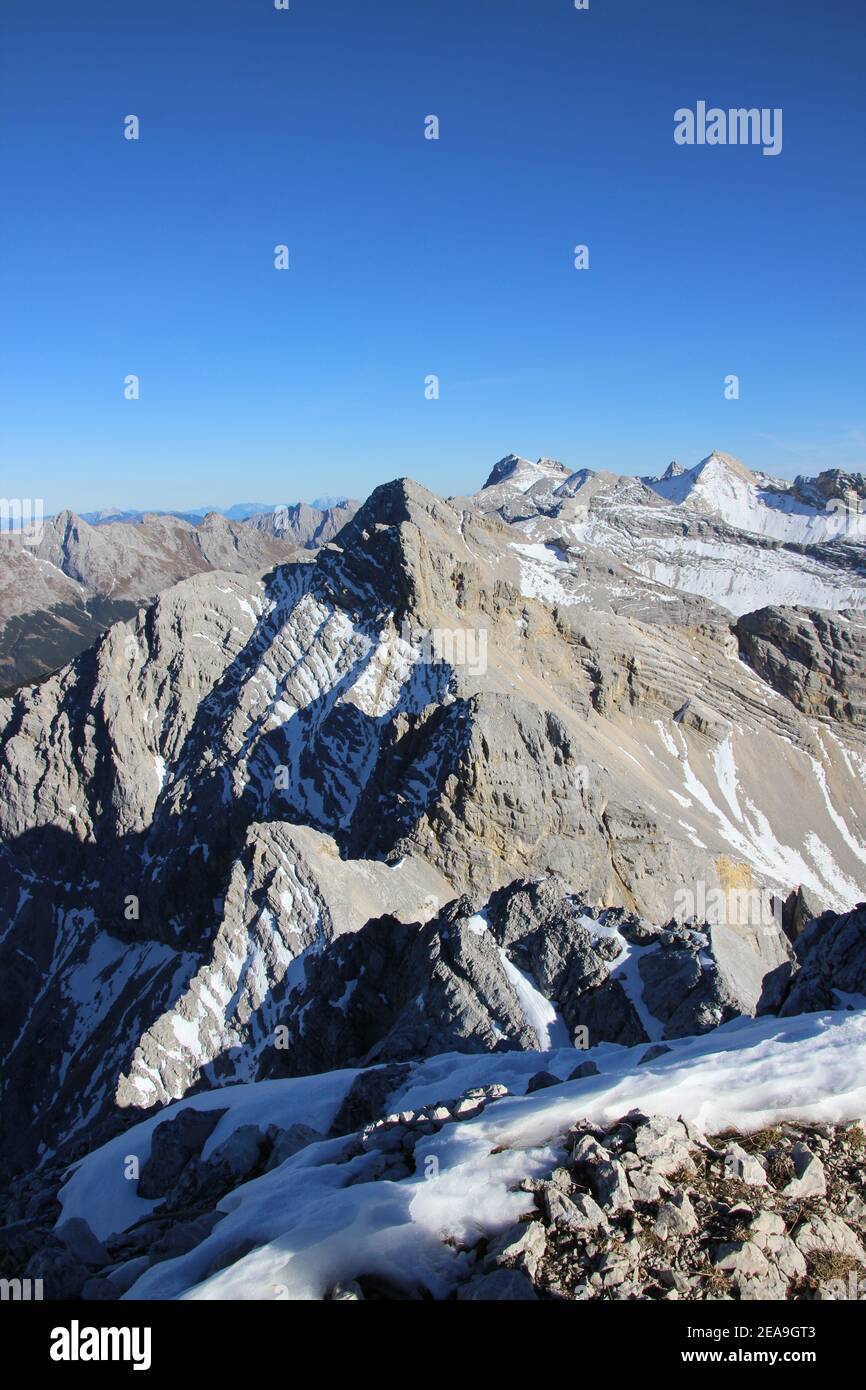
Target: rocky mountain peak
x,y
505,468
523,474
831,484
719,463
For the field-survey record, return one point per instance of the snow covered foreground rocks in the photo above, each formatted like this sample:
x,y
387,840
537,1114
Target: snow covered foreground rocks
x,y
729,1167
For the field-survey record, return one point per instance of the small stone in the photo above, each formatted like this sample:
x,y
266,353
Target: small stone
x,y
744,1167
605,1174
78,1237
288,1142
523,1244
855,1209
753,1275
613,1269
663,1144
540,1081
585,1069
239,1154
466,1108
676,1217
645,1185
741,1257
172,1145
828,1232
766,1224
496,1091
611,1188
562,1178
581,1214
810,1179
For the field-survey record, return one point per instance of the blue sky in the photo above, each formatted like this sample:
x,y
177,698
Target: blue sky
x,y
411,257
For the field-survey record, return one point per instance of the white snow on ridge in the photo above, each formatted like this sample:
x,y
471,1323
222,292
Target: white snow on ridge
x,y
311,1226
478,923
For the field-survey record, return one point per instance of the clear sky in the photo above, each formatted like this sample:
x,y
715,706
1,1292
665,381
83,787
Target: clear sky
x,y
411,257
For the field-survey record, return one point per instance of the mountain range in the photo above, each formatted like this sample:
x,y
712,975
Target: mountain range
x,y
61,589
360,823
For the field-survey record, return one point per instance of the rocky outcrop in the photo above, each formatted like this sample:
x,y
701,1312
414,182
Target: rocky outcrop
x,y
831,960
644,1206
302,525
647,1207
533,968
817,660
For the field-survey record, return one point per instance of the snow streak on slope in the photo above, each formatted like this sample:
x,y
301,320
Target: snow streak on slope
x,y
540,1015
729,797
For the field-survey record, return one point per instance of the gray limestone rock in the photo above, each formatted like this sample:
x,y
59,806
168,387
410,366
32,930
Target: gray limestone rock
x,y
80,1240
174,1143
814,658
522,1245
831,953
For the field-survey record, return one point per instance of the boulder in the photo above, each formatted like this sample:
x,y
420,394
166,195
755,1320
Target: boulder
x,y
174,1142
78,1237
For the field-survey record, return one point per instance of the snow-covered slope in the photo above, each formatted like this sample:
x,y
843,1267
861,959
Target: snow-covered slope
x,y
720,486
319,1218
741,539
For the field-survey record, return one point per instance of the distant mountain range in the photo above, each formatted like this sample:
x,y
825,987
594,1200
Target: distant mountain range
x,y
58,594
239,511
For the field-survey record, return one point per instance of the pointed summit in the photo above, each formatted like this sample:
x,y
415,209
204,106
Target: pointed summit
x,y
720,464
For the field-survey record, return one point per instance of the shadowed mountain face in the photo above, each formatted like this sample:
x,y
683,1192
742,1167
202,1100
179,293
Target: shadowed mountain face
x,y
58,594
273,799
